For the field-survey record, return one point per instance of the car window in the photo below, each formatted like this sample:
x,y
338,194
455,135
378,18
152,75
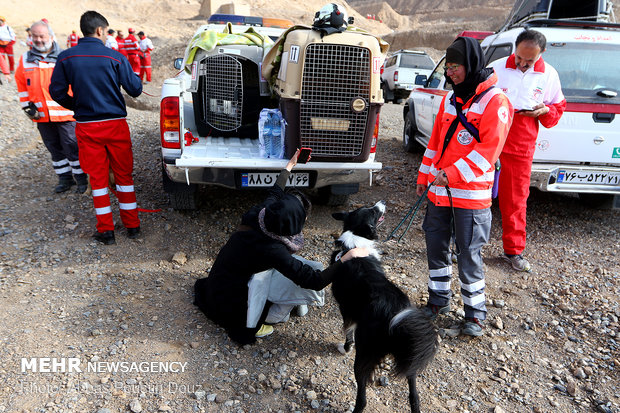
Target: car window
x,y
497,51
435,80
391,61
585,67
416,61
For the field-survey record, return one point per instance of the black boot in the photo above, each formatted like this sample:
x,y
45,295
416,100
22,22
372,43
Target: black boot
x,y
106,238
65,182
133,233
82,183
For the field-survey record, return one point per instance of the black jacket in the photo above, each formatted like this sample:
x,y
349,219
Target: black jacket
x,y
223,295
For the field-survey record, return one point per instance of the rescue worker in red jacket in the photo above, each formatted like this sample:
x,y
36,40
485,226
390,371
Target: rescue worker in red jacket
x,y
120,41
7,40
55,123
96,74
146,47
459,166
533,87
72,40
132,48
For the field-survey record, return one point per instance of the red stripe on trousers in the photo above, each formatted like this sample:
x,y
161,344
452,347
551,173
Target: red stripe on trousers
x,y
103,146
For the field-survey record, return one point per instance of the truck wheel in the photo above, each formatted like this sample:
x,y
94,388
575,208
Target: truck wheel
x,y
409,132
326,197
182,196
596,201
387,93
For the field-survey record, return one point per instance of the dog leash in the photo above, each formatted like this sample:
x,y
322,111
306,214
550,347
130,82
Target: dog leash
x,y
456,250
412,211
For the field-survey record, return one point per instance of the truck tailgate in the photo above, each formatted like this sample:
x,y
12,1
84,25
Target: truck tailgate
x,y
219,152
577,138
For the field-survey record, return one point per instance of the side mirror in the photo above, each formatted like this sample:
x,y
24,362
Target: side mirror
x,y
178,63
420,80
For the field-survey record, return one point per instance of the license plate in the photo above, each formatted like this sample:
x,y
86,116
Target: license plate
x,y
588,177
258,179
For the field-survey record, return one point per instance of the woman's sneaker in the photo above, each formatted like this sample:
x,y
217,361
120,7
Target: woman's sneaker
x,y
473,327
264,331
518,262
432,310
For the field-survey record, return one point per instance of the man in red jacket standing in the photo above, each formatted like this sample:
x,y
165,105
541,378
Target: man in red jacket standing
x,y
120,41
146,47
533,87
72,40
132,48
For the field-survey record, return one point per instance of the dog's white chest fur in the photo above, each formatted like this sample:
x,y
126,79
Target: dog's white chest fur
x,y
350,241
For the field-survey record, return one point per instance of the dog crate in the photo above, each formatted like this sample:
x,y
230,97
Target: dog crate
x,y
227,94
330,96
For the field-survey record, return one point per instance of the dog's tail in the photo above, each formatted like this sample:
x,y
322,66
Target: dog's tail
x,y
414,340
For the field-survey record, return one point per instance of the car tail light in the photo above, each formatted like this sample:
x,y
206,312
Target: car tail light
x,y
396,76
382,69
170,123
375,137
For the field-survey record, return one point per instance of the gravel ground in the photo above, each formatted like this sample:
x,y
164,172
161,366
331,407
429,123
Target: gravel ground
x,y
551,342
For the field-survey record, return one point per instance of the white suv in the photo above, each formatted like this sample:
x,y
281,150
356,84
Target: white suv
x,y
400,71
581,154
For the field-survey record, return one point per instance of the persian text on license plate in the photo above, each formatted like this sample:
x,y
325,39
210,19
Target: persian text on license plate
x,y
589,177
257,179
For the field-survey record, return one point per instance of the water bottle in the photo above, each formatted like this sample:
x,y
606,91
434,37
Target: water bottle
x,y
267,135
276,131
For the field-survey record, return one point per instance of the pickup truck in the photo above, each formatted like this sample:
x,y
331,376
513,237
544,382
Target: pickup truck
x,y
399,73
581,154
210,111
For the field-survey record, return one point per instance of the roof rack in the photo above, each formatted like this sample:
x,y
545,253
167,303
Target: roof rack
x,y
570,23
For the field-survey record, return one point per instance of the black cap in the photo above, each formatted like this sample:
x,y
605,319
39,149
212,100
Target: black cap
x,y
455,53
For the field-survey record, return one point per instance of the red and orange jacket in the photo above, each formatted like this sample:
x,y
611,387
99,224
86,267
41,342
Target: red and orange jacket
x,y
121,45
72,40
32,78
469,164
132,46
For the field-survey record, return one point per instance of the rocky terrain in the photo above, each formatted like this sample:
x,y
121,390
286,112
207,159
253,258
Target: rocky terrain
x,y
550,343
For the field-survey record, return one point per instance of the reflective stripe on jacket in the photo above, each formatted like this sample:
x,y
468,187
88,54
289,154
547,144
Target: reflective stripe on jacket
x,y
469,164
131,44
32,80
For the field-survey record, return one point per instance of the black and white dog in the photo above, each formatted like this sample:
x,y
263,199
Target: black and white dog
x,y
376,311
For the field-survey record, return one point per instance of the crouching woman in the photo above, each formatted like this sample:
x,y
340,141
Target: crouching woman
x,y
240,291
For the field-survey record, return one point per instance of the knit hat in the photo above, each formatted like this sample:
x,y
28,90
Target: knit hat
x,y
130,30
455,53
285,216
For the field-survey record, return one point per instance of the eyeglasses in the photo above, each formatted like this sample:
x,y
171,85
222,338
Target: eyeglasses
x,y
452,67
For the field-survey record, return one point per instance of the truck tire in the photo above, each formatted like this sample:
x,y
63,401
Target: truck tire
x,y
596,201
325,196
387,93
409,132
182,197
